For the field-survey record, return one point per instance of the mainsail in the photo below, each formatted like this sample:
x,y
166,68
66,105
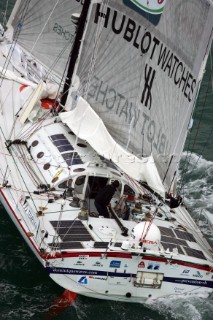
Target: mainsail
x,y
45,29
140,69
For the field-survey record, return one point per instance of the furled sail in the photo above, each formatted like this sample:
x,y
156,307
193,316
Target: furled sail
x,y
87,125
45,29
140,68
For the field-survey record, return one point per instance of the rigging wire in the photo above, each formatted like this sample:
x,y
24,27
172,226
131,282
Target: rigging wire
x,y
15,39
94,55
48,18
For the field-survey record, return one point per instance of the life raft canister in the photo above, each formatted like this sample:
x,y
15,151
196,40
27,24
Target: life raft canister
x,y
46,103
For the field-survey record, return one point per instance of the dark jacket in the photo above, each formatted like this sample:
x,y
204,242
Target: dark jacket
x,y
175,202
105,195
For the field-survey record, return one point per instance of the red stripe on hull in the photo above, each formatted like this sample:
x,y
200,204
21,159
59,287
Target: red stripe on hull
x,y
121,255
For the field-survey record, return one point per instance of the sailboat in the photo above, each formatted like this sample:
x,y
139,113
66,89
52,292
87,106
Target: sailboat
x,y
94,92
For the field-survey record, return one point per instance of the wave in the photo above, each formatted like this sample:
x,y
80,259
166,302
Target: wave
x,y
196,307
196,183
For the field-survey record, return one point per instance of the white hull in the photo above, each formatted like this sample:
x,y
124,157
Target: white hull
x,y
112,275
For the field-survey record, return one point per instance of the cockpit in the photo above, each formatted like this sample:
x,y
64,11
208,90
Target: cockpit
x,y
84,188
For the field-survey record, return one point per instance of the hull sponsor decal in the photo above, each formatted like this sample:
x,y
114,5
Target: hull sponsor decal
x,y
115,264
153,266
191,282
53,270
85,273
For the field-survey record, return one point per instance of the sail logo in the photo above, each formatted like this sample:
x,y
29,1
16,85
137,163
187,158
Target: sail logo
x,y
151,10
146,97
61,31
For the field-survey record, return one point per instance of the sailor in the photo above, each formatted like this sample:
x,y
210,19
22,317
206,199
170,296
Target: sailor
x,y
173,201
104,196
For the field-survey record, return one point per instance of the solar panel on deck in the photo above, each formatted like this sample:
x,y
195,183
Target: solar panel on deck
x,y
55,137
71,245
176,241
101,245
66,245
61,142
71,232
194,253
185,235
72,158
172,246
65,148
67,223
166,232
79,230
75,237
118,244
70,227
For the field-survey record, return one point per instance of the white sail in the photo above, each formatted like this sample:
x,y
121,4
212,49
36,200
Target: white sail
x,y
140,70
45,30
87,125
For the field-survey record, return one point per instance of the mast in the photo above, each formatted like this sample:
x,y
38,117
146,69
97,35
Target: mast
x,y
75,50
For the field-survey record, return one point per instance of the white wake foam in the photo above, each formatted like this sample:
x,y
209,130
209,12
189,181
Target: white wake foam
x,y
196,307
197,175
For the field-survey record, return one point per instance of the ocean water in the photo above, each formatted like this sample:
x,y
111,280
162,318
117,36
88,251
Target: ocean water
x,y
26,291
